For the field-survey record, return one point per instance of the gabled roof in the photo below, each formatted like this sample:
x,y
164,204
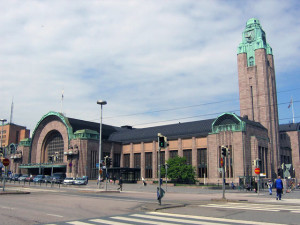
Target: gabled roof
x,y
82,124
289,127
172,131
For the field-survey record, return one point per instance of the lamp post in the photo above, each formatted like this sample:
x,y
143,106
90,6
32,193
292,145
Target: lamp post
x,y
3,120
100,102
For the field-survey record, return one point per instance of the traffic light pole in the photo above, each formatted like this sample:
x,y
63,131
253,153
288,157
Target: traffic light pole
x,y
159,176
223,177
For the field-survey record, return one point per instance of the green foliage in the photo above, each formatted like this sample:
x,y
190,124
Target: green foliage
x,y
179,171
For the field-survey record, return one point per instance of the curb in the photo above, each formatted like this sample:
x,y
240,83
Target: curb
x,y
14,192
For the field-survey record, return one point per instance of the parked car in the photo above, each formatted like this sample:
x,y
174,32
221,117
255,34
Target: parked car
x,y
58,178
69,180
29,178
47,179
39,178
15,177
80,181
23,177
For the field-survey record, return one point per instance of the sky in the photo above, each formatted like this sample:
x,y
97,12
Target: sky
x,y
154,62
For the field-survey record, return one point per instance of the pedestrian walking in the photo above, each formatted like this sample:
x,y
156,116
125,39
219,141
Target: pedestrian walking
x,y
114,179
270,186
144,182
279,187
120,184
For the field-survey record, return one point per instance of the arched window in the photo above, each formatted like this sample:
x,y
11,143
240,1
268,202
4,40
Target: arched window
x,y
55,147
251,61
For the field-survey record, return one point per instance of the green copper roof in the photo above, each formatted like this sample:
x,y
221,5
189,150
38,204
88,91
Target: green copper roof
x,y
86,134
62,118
228,122
25,142
254,38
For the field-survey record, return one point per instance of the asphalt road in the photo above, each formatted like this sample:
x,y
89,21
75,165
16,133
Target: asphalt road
x,y
57,205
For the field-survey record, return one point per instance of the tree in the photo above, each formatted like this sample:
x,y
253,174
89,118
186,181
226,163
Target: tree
x,y
179,171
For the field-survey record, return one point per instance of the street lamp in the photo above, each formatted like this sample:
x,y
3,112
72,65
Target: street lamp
x,y
100,102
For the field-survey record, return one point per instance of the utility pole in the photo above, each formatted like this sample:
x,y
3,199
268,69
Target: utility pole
x,y
224,153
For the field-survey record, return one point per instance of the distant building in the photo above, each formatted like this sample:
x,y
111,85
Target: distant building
x,y
255,136
13,134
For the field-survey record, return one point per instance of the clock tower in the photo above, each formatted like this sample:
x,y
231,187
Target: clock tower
x,y
257,89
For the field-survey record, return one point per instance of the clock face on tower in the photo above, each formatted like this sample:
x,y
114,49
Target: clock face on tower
x,y
249,35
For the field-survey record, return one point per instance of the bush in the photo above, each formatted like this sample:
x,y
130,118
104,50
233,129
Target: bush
x,y
179,171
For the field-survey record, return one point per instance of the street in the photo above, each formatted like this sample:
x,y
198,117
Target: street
x,y
138,205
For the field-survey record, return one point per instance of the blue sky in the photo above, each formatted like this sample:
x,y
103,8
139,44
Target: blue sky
x,y
159,61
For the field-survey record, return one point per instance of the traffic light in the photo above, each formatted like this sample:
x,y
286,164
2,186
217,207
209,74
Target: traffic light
x,y
161,141
108,162
224,151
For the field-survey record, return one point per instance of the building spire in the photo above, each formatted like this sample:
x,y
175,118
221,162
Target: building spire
x,y
11,111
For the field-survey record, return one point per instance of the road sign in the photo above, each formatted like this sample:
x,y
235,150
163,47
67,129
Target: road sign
x,y
257,171
97,165
5,162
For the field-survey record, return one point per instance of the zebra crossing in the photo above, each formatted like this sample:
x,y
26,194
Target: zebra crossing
x,y
159,218
257,207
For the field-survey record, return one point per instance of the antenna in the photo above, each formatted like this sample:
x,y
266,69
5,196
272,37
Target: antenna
x,y
62,100
11,111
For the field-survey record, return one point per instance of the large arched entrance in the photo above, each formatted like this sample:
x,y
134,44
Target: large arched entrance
x,y
53,153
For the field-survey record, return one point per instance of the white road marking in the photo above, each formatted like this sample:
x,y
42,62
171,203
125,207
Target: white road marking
x,y
211,218
109,222
176,220
263,207
54,215
80,223
4,207
140,221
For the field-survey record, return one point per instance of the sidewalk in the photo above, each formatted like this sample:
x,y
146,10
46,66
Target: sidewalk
x,y
174,194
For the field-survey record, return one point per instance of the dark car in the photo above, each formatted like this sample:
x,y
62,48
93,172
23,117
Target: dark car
x,y
47,179
15,177
23,177
39,178
58,178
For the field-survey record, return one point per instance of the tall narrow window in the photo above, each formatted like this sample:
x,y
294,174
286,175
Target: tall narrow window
x,y
117,159
173,154
202,162
148,164
127,160
137,160
252,102
188,155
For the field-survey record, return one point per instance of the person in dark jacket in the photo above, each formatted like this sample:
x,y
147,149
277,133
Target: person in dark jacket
x,y
120,184
279,187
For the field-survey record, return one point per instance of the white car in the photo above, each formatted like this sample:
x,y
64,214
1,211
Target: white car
x,y
69,180
80,181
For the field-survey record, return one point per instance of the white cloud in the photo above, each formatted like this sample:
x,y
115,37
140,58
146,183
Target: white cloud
x,y
138,55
